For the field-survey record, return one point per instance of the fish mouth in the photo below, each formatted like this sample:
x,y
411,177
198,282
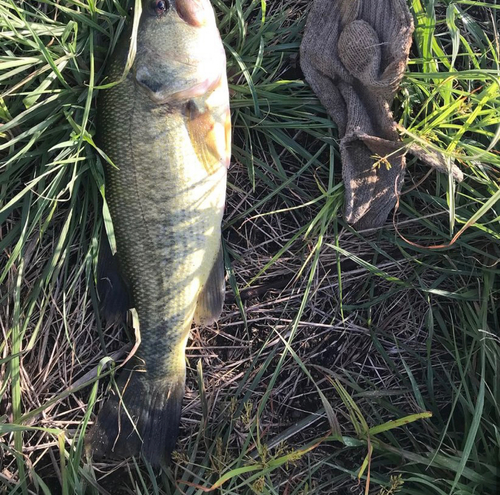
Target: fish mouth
x,y
194,12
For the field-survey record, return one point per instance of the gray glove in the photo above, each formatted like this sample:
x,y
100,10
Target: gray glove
x,y
354,54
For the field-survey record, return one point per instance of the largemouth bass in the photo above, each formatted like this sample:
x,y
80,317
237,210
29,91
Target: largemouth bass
x,y
166,128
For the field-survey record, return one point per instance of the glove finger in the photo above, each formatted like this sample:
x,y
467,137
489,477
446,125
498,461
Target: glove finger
x,y
359,51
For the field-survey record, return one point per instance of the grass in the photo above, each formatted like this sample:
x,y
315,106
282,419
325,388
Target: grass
x,y
335,346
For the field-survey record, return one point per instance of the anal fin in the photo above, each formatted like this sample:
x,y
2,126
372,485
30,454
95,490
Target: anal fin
x,y
211,298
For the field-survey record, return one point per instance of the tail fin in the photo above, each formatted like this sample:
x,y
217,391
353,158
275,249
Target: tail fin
x,y
143,418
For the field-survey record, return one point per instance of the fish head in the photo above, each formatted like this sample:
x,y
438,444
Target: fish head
x,y
179,51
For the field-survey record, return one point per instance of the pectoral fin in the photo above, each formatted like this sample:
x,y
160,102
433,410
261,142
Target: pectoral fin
x,y
211,298
210,134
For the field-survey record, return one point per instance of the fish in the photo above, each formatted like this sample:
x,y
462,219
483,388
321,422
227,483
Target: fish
x,y
166,129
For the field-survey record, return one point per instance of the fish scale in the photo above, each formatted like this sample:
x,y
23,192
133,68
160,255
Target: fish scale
x,y
166,191
162,204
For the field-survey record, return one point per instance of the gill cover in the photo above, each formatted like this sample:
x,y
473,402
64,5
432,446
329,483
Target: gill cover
x,y
179,51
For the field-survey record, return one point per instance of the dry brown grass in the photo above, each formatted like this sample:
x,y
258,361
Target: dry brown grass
x,y
394,323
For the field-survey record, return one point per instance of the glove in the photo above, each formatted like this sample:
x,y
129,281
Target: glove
x,y
354,54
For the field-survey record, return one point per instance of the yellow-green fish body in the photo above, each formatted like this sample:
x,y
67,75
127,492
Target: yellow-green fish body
x,y
166,128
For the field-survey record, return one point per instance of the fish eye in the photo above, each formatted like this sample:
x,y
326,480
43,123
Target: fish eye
x,y
160,6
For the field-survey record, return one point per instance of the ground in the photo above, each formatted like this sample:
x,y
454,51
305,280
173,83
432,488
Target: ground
x,y
333,342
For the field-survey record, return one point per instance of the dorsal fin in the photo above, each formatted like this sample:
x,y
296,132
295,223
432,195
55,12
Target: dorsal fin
x,y
111,287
